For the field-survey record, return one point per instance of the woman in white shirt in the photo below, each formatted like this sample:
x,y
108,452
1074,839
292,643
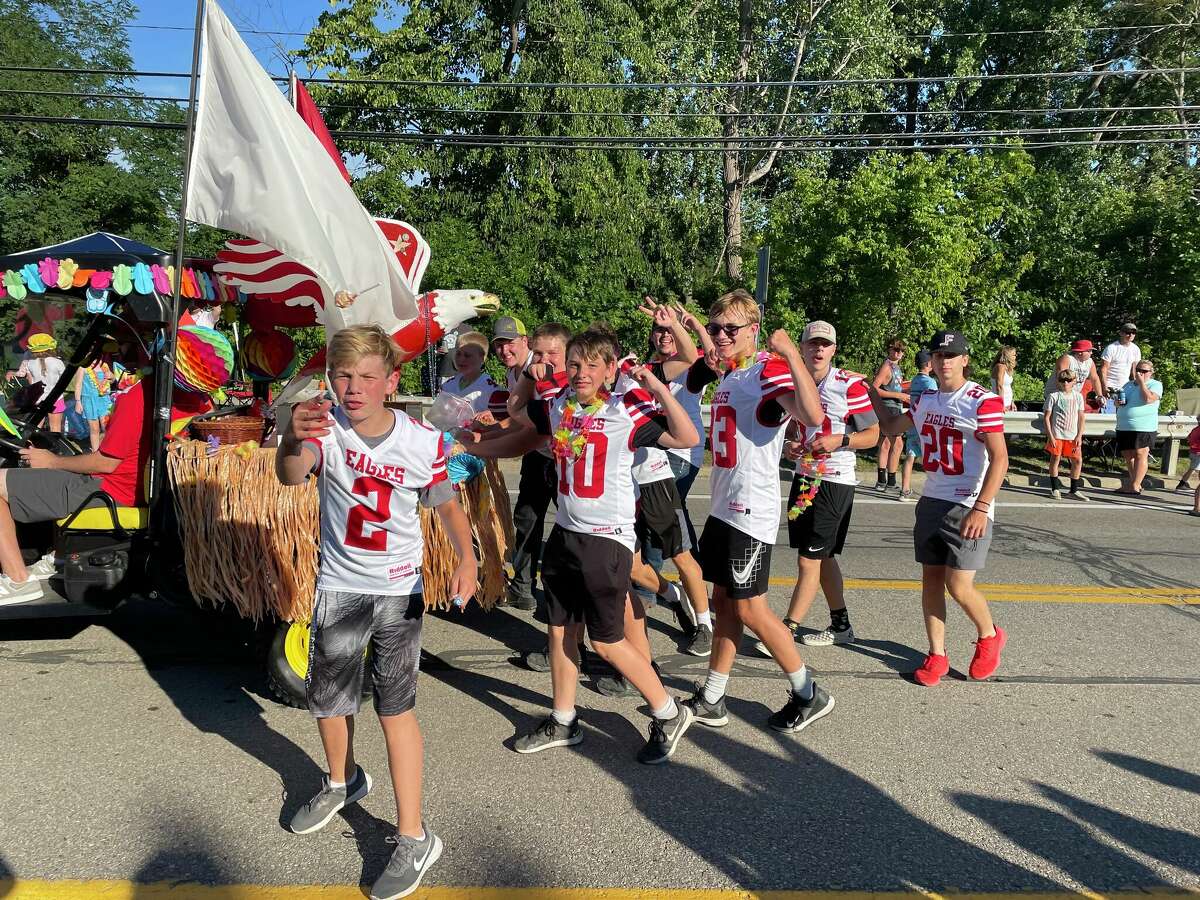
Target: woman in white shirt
x,y
1003,367
45,368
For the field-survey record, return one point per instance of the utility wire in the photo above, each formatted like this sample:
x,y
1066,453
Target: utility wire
x,y
628,85
557,113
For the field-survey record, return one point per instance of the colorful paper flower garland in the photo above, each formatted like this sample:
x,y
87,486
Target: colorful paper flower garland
x,y
810,469
570,440
66,275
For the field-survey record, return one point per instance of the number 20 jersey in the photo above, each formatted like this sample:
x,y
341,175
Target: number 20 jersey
x,y
371,541
951,426
747,436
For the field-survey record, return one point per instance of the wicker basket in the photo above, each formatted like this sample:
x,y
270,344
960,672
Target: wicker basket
x,y
229,430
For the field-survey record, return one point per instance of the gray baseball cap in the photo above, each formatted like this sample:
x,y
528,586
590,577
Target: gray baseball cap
x,y
819,330
507,328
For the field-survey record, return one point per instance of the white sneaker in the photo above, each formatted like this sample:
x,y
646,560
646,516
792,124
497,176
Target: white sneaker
x,y
1079,495
43,569
828,637
12,592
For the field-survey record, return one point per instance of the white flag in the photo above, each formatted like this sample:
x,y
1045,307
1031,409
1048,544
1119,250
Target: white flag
x,y
258,170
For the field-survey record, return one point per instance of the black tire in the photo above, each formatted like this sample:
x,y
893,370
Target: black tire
x,y
285,683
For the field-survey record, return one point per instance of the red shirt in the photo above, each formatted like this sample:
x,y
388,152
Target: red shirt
x,y
129,436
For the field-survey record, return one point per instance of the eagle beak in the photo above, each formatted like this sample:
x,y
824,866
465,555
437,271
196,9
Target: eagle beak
x,y
486,303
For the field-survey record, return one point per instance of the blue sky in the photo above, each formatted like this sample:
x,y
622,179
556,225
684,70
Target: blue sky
x,y
163,50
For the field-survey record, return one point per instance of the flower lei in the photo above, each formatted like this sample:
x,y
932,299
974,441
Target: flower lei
x,y
810,469
570,440
752,359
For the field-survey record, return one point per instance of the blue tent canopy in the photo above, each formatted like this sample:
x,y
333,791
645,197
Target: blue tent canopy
x,y
98,250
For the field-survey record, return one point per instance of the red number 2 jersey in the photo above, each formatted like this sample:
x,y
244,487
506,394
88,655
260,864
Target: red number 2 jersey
x,y
595,489
371,541
951,426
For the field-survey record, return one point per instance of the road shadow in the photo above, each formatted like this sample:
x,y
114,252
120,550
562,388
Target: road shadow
x,y
1168,776
8,878
783,808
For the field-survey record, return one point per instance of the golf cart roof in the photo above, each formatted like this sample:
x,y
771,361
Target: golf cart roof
x,y
98,250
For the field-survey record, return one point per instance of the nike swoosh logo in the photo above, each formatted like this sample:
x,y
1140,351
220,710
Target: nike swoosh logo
x,y
815,549
743,577
419,863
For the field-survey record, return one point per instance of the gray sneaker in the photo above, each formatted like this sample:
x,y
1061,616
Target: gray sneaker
x,y
712,715
410,861
828,637
701,643
317,812
665,735
549,734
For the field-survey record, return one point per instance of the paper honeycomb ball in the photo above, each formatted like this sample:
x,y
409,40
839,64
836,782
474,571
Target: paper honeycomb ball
x,y
203,359
269,355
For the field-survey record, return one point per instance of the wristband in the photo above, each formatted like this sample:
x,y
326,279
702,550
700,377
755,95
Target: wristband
x,y
845,439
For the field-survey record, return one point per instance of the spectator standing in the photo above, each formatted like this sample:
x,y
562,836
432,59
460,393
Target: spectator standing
x,y
1063,415
1079,361
1137,423
1193,440
923,381
93,400
888,382
1003,367
1117,364
43,367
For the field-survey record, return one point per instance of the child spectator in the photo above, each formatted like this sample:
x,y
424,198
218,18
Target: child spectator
x,y
1193,440
471,383
921,382
45,368
1063,414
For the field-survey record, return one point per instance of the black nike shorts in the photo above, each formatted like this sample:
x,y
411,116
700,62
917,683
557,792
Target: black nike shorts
x,y
820,531
586,579
660,522
733,560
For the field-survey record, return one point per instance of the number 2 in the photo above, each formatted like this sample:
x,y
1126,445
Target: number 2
x,y
941,448
361,516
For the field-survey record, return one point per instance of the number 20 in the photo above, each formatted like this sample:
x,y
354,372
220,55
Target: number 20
x,y
942,448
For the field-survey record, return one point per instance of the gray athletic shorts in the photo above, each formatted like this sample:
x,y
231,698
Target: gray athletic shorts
x,y
937,541
344,625
38,495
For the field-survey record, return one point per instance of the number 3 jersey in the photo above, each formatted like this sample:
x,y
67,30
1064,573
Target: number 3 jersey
x,y
951,425
747,435
595,489
371,540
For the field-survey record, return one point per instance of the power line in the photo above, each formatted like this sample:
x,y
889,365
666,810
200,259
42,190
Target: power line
x,y
717,143
663,85
82,95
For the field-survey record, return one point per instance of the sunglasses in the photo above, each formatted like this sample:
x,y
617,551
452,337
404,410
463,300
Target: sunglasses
x,y
1128,332
1066,378
1145,371
731,331
659,329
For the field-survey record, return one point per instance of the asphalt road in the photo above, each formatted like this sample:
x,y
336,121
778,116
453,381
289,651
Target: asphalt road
x,y
142,748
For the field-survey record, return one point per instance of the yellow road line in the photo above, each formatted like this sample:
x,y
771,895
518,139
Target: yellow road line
x,y
1030,593
126,890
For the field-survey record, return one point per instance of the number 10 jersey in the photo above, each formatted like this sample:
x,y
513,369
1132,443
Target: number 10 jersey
x,y
371,541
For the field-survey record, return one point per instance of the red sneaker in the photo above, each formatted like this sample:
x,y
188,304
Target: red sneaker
x,y
932,669
987,655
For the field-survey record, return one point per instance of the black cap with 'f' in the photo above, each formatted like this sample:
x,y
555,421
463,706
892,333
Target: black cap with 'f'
x,y
949,342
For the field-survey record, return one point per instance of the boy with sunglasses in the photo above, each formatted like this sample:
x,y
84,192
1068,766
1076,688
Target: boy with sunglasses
x,y
1062,416
756,394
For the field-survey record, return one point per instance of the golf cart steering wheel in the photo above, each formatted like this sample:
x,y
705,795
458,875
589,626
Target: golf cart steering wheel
x,y
11,447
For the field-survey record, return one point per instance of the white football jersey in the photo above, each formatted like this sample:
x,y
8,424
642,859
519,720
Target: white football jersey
x,y
371,540
843,395
951,426
747,441
478,393
690,401
596,489
650,464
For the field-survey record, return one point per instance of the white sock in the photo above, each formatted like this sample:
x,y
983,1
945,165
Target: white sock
x,y
563,716
668,711
714,686
802,683
704,618
337,785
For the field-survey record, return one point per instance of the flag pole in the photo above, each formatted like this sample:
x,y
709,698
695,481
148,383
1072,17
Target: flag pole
x,y
164,382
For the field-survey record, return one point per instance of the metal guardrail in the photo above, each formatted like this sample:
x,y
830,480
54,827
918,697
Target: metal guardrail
x,y
1171,429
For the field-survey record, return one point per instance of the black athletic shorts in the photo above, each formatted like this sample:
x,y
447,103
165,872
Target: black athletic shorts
x,y
733,560
586,578
1135,440
820,531
660,521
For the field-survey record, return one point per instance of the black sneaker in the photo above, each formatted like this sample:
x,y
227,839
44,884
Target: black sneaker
x,y
523,602
549,734
664,736
701,644
538,660
617,686
797,714
712,715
